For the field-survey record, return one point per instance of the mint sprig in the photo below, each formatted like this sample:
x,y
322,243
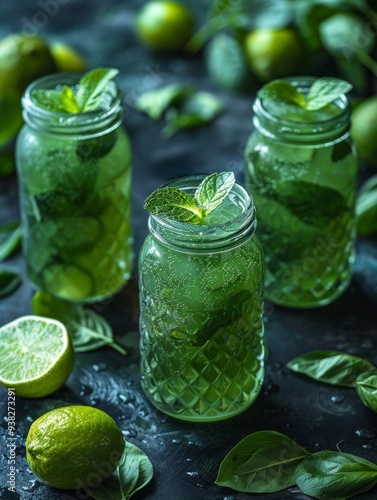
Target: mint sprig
x,y
86,97
322,92
173,203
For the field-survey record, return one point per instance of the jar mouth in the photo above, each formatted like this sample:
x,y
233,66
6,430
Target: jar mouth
x,y
220,234
270,124
40,117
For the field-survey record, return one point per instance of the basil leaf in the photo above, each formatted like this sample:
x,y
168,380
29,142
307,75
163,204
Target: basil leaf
x,y
9,281
48,99
324,91
331,367
263,462
68,100
197,110
366,387
329,475
282,92
134,471
366,208
213,190
173,203
87,329
92,86
224,51
156,102
10,239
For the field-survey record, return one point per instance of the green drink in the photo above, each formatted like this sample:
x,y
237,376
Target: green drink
x,y
301,168
75,178
201,299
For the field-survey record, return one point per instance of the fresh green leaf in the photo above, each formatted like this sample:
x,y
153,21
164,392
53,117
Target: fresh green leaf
x,y
87,329
344,35
329,475
197,110
331,367
225,51
366,387
324,91
263,462
366,208
213,190
173,203
48,99
10,239
155,102
134,471
9,281
92,86
68,100
282,92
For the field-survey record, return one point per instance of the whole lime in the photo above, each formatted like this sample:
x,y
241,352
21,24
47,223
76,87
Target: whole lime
x,y
74,446
364,130
165,26
23,58
273,53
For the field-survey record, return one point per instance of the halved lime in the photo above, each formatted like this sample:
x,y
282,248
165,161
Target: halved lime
x,y
36,356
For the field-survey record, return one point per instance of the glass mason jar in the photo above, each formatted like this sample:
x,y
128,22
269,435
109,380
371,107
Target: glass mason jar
x,y
74,173
301,169
201,300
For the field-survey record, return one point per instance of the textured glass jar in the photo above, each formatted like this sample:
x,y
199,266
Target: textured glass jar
x,y
74,173
302,172
201,300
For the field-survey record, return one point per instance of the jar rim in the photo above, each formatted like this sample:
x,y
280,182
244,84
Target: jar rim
x,y
272,125
45,118
184,234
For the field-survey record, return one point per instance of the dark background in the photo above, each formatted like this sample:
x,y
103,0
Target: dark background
x,y
186,456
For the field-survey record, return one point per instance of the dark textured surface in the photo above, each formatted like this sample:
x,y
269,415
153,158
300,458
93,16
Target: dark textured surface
x,y
185,456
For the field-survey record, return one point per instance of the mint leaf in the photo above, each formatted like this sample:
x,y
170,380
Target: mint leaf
x,y
156,102
213,190
68,100
324,91
87,329
282,92
173,203
92,86
335,476
263,462
134,471
197,110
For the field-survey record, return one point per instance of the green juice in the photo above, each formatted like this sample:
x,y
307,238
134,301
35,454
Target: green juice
x,y
302,174
201,317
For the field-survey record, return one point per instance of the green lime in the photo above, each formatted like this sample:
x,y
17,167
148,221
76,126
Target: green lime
x,y
273,53
66,58
74,446
364,130
36,356
23,58
165,26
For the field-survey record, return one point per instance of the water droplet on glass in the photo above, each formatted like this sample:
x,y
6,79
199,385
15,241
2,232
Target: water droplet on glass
x,y
176,441
99,367
337,399
193,474
365,433
85,390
